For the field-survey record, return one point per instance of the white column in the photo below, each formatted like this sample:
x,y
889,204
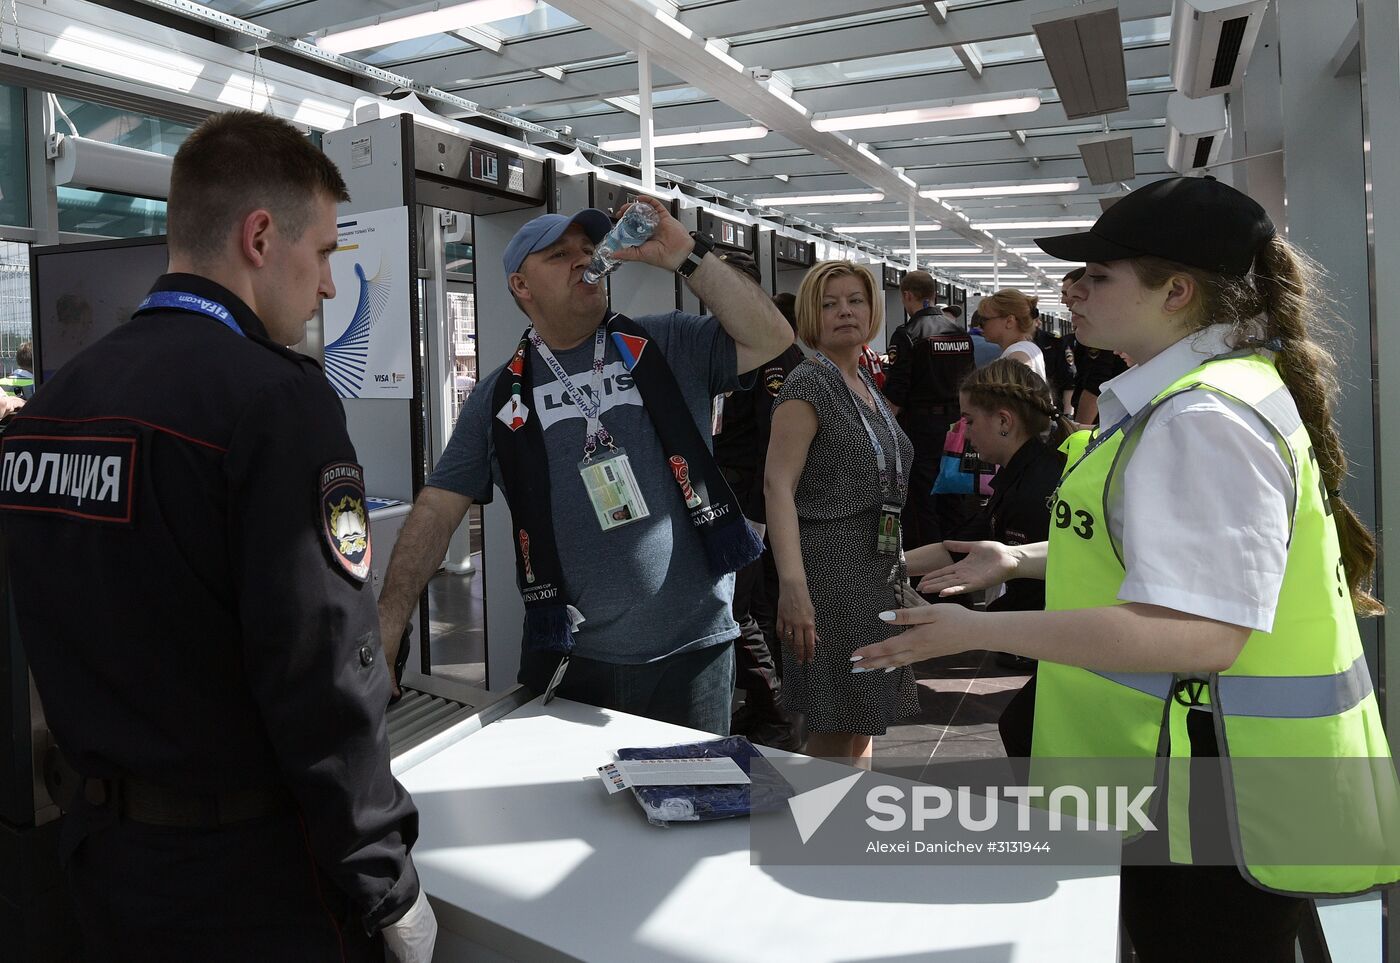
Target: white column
x,y
996,265
644,105
913,236
1380,92
1325,178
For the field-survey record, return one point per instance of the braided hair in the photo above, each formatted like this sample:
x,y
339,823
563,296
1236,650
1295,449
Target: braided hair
x,y
1006,383
1281,306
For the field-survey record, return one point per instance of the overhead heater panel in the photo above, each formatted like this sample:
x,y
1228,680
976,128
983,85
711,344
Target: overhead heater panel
x,y
1212,41
1083,47
1108,157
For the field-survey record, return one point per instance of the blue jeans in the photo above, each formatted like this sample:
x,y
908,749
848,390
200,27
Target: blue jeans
x,y
693,689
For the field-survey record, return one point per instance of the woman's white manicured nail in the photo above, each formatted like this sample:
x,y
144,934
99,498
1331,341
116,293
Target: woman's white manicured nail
x,y
859,668
892,668
857,658
886,616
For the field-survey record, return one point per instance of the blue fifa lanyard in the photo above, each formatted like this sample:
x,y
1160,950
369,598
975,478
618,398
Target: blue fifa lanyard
x,y
886,487
184,301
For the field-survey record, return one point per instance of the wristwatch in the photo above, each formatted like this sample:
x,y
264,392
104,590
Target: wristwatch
x,y
704,244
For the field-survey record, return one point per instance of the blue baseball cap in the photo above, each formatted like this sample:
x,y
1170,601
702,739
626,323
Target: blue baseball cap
x,y
544,230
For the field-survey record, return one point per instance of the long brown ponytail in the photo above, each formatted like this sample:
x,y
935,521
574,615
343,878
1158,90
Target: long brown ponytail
x,y
1282,302
1007,383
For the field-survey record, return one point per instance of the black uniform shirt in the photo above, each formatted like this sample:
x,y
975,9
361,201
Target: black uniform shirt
x,y
1095,366
930,355
741,447
1017,514
1060,370
189,616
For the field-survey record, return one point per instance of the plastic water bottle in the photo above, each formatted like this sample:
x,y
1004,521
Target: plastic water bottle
x,y
634,228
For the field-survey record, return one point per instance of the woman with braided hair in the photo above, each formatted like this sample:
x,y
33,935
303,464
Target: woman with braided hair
x,y
1012,421
1203,578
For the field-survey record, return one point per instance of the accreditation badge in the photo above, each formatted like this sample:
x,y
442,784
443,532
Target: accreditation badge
x,y
613,489
887,532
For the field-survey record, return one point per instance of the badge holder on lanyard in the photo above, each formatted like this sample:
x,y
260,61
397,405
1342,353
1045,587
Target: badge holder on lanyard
x,y
887,531
612,487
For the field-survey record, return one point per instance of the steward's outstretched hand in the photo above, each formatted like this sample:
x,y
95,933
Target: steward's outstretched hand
x,y
986,564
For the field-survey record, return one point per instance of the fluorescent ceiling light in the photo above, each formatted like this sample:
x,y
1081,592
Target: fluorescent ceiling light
x,y
884,228
392,30
808,200
951,108
939,251
1006,190
691,135
1032,225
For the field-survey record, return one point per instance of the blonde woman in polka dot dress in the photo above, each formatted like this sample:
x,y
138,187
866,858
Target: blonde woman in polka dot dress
x,y
835,482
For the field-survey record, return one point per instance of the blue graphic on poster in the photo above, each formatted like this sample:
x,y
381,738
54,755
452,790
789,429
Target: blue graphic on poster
x,y
368,345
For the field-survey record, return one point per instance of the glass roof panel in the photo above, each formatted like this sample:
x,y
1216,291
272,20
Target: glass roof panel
x,y
678,95
871,68
1136,33
542,19
555,112
416,49
860,19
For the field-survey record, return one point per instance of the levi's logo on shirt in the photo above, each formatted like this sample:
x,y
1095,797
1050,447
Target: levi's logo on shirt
x,y
554,404
83,477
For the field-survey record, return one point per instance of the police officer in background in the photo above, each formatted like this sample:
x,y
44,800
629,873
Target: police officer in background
x,y
930,354
189,544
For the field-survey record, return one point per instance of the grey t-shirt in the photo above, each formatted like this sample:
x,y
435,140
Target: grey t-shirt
x,y
645,588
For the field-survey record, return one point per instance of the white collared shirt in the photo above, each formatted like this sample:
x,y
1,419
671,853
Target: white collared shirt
x,y
1202,503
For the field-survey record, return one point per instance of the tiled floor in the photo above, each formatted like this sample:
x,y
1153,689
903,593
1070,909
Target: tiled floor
x,y
960,697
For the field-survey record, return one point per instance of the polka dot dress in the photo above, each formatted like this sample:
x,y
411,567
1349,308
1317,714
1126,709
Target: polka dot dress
x,y
838,506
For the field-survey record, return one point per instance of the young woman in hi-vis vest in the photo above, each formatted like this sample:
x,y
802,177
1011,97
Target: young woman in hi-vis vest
x,y
1203,579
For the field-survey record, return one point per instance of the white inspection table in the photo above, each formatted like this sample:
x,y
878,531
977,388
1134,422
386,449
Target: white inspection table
x,y
526,857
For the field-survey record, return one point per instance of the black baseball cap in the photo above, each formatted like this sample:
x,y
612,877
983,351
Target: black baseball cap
x,y
1196,221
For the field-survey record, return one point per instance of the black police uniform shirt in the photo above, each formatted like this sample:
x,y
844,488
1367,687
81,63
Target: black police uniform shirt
x,y
189,549
1060,370
930,355
1017,514
746,419
1094,366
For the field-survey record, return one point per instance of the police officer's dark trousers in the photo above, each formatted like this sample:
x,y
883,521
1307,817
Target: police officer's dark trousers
x,y
238,893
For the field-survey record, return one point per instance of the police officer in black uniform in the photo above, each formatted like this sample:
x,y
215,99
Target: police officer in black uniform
x,y
741,448
930,354
189,552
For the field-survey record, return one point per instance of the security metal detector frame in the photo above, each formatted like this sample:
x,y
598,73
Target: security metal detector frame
x,y
397,162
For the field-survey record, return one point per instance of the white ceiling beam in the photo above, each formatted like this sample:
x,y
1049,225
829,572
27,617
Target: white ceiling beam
x,y
938,10
969,59
482,38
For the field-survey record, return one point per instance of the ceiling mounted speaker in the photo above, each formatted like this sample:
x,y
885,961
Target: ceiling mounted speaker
x,y
1083,47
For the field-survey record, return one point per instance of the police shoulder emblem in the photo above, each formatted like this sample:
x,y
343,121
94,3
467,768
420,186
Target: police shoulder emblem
x,y
344,518
773,378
